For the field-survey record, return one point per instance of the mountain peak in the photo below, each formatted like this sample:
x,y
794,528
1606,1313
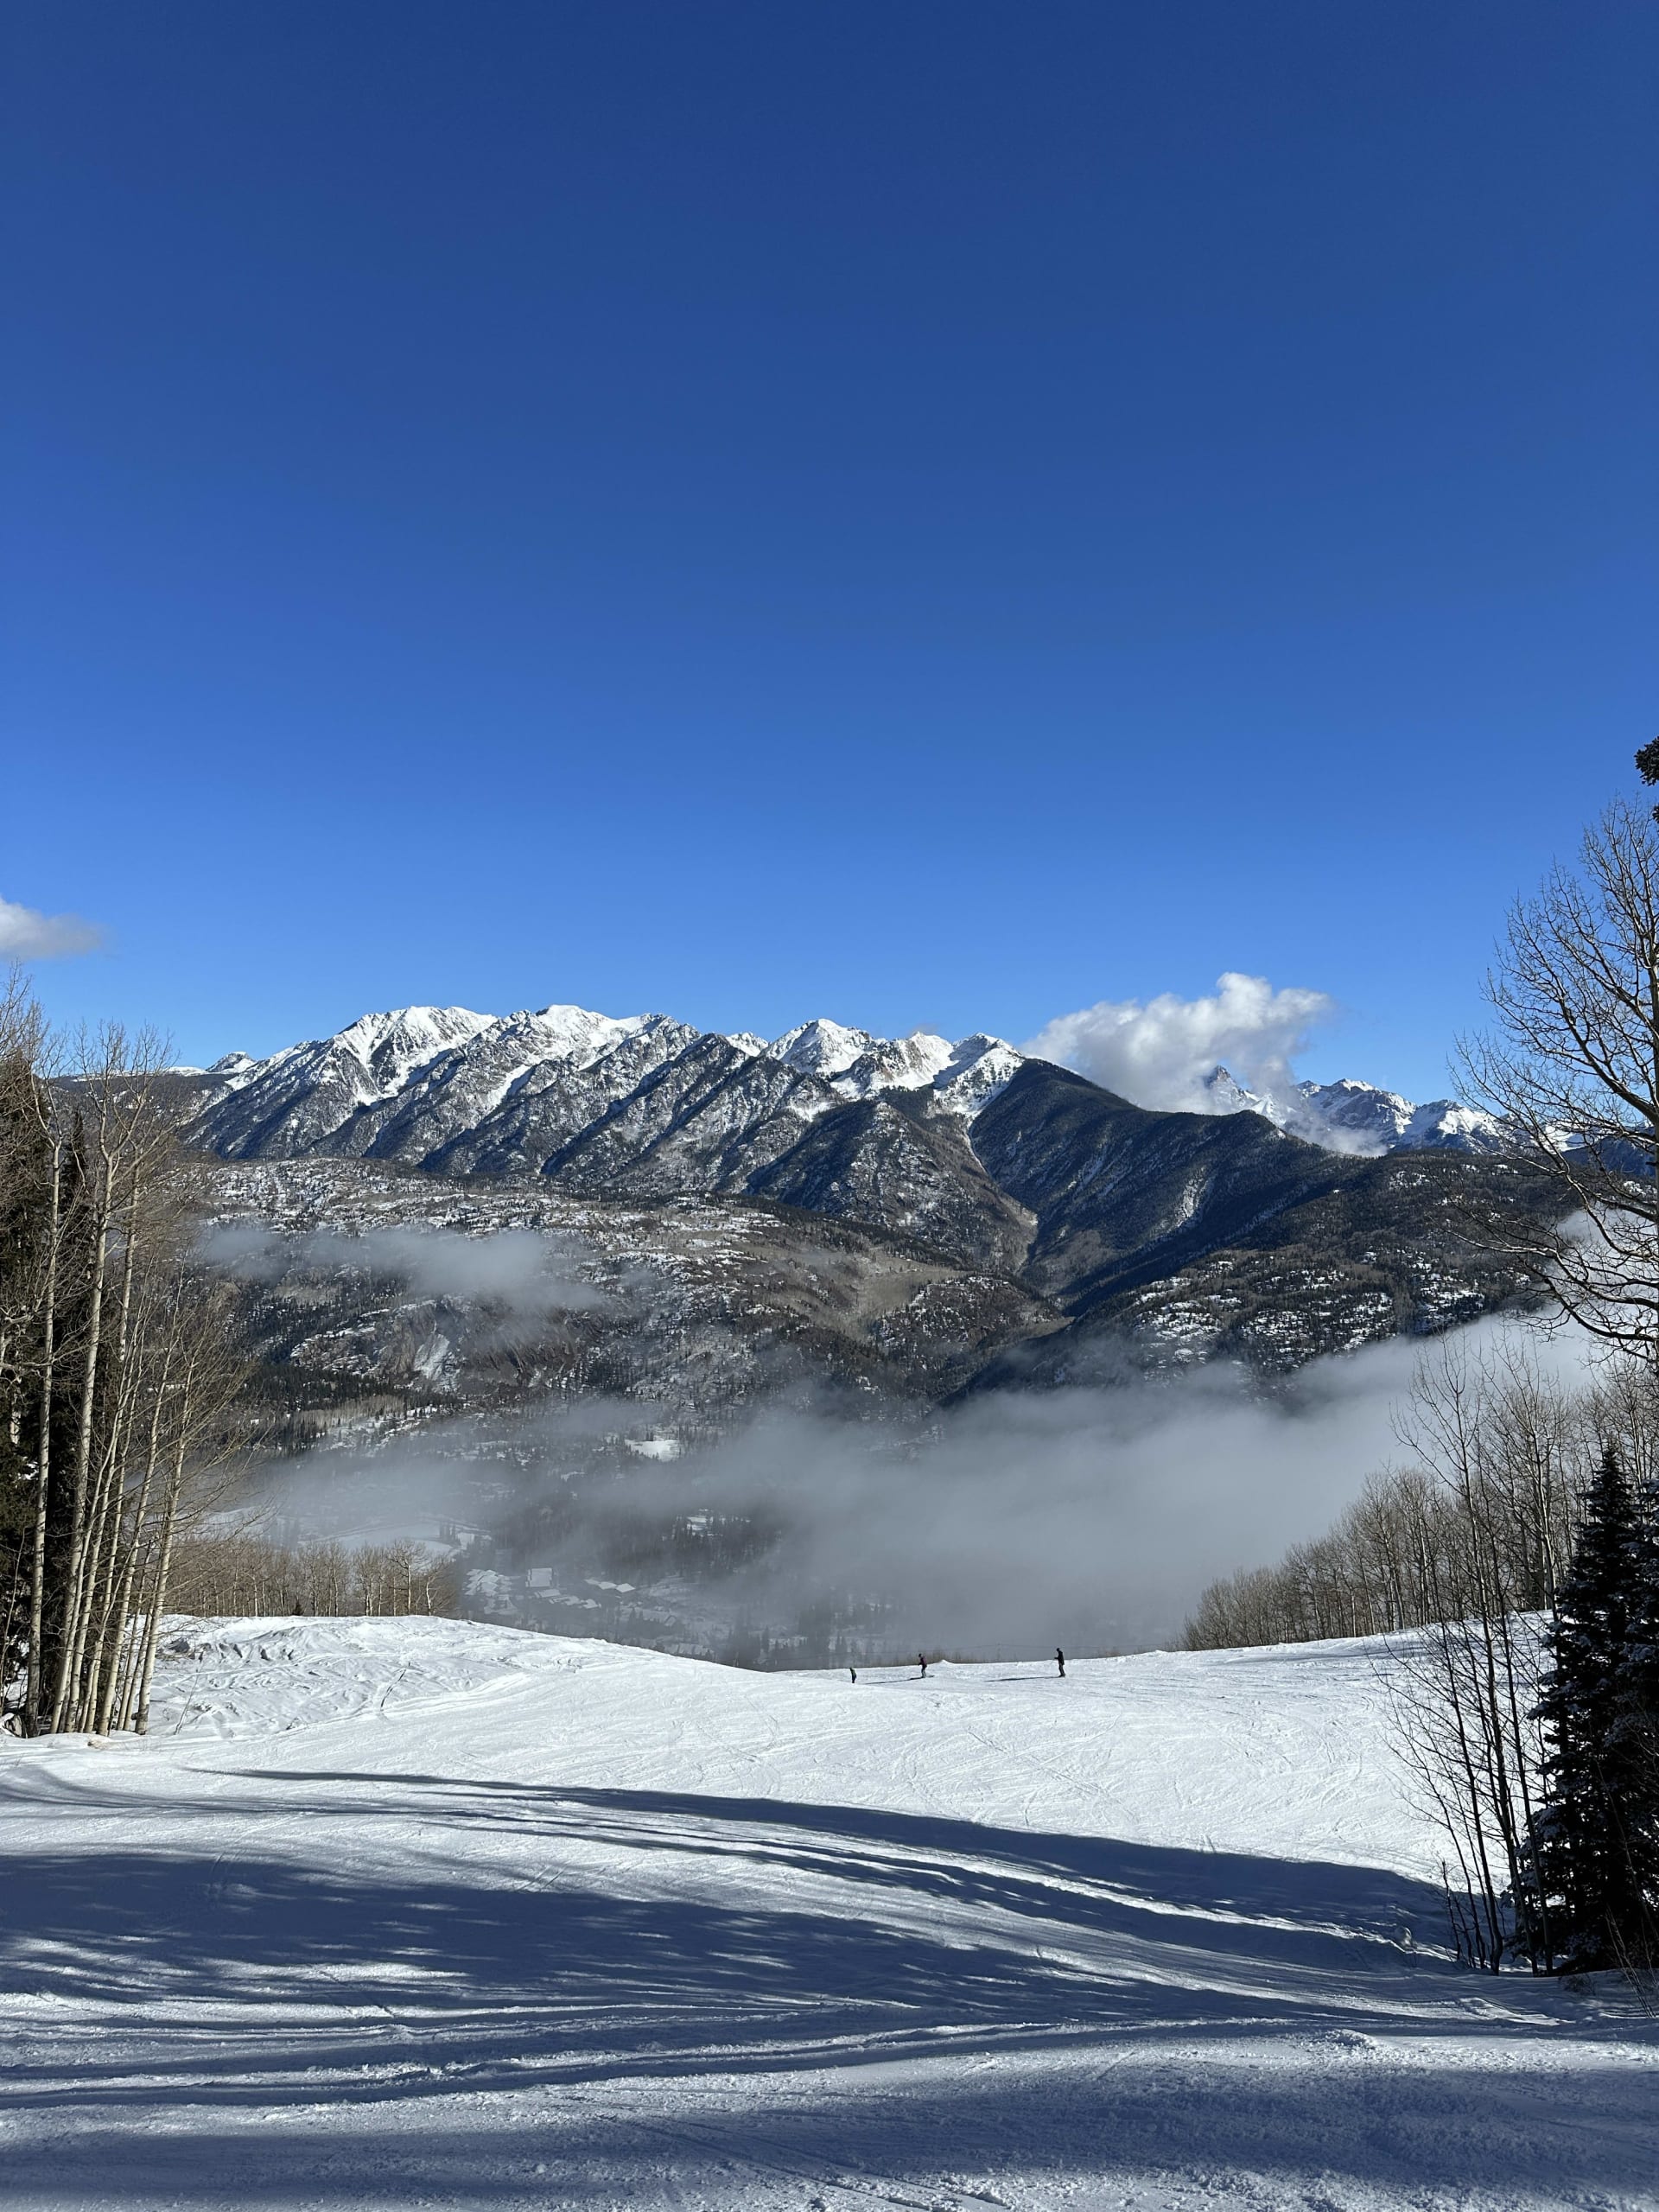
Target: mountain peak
x,y
822,1047
1349,1115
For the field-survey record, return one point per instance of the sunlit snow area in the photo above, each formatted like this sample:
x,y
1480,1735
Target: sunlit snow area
x,y
419,1912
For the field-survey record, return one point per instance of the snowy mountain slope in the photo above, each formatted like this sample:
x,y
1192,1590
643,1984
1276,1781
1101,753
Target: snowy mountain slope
x,y
1444,1125
822,1048
641,1109
401,1085
701,1304
914,1173
999,1162
408,1913
1172,1237
1358,1117
439,1086
302,1096
709,1119
465,1095
346,1095
1395,1247
1384,1122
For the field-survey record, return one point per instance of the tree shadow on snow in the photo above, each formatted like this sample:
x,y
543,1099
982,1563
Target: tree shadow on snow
x,y
724,1937
1462,2135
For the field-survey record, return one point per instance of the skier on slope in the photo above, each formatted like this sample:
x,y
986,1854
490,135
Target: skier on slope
x,y
921,1661
1060,1660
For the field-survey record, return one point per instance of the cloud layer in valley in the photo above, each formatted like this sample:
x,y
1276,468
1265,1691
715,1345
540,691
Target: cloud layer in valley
x,y
1160,1051
527,1271
27,935
1089,1518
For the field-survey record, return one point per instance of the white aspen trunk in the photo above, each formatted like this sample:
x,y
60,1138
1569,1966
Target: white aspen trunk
x,y
74,1565
34,1687
100,1555
122,1694
99,1621
126,1698
103,1548
164,1560
110,1584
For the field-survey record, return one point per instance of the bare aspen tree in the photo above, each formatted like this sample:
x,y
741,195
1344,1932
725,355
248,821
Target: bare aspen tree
x,y
32,1229
1573,1066
1467,1688
208,1376
140,1545
1460,1557
115,1366
117,1379
1484,1508
118,1140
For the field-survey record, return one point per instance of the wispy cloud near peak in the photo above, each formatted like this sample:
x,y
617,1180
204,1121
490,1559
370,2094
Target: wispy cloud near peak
x,y
1161,1051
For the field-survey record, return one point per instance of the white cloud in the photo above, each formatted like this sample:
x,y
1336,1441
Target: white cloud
x,y
1087,1516
528,1271
26,935
1159,1052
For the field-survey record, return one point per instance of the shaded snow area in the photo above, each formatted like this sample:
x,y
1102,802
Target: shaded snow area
x,y
415,1913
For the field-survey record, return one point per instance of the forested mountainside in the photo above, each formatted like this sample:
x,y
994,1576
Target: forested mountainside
x,y
991,1217
695,1307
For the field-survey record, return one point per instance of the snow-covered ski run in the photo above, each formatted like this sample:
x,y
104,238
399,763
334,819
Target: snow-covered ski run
x,y
405,1913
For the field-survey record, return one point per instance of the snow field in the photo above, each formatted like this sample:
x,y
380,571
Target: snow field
x,y
417,1913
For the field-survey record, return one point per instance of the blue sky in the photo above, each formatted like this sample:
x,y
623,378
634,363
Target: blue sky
x,y
920,513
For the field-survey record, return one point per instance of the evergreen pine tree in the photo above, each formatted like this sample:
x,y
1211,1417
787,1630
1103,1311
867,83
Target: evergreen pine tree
x,y
1639,1719
1599,1826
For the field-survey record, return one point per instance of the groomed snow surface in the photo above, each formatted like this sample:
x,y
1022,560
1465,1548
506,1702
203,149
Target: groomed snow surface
x,y
401,1913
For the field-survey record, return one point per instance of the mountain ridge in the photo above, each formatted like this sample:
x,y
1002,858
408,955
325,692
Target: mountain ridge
x,y
1119,1216
381,1054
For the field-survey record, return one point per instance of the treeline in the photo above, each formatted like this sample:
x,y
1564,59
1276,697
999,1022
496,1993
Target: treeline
x,y
1515,1561
244,1573
1490,1500
115,1373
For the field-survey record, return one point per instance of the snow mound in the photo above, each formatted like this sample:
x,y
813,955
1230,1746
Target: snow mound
x,y
259,1676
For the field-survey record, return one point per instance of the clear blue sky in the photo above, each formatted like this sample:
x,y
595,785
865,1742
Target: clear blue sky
x,y
920,513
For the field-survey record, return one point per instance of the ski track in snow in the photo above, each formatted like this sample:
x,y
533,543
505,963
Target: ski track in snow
x,y
419,1913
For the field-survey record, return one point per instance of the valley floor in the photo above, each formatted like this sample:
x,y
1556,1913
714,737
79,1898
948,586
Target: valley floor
x,y
416,1913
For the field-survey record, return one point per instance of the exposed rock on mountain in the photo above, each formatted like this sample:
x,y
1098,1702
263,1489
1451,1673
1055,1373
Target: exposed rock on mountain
x,y
1122,1194
1227,1231
644,1107
1393,1247
1357,1117
442,1087
692,1306
893,1161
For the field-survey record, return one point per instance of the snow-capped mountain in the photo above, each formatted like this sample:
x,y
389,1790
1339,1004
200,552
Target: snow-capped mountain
x,y
1390,1123
1214,1233
965,1076
1357,1117
410,1082
589,1096
644,1108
